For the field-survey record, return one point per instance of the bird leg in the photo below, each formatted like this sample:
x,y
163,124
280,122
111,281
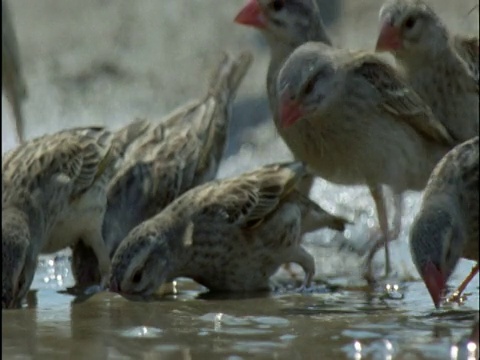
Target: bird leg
x,y
456,294
397,217
94,238
378,197
303,258
303,187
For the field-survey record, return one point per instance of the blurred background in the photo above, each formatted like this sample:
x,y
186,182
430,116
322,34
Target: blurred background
x,y
109,61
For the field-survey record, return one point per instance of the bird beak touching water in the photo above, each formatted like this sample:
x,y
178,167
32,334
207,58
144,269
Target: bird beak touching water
x,y
251,15
435,281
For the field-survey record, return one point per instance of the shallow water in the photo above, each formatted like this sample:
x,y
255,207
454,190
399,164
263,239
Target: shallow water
x,y
67,46
329,323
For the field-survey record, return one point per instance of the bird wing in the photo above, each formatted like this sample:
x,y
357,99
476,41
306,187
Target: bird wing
x,y
247,200
399,99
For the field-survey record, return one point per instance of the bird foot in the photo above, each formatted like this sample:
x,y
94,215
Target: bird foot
x,y
457,296
378,243
304,289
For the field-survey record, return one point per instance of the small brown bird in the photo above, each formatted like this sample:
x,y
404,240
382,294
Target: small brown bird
x,y
228,235
184,150
285,25
13,82
353,120
53,194
446,228
441,67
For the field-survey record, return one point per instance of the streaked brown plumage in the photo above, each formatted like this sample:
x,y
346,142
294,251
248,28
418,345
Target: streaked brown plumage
x,y
446,228
441,67
353,120
228,235
54,193
181,152
13,82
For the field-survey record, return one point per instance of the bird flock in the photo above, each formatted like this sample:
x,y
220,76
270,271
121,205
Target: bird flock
x,y
141,206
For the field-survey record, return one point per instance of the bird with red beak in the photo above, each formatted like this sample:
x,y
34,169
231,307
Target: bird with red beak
x,y
285,24
344,112
440,66
446,228
252,15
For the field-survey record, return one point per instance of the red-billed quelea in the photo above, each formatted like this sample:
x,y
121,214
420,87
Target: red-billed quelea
x,y
353,120
228,235
53,194
441,67
182,151
446,228
285,24
13,82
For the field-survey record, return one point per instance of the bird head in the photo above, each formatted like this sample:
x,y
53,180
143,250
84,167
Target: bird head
x,y
141,263
409,28
436,245
305,84
289,21
18,260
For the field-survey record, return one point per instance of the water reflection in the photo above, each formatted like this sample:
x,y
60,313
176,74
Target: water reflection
x,y
352,324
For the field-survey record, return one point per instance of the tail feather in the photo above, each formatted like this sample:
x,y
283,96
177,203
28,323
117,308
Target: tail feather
x,y
222,89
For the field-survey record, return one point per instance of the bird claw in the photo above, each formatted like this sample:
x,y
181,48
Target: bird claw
x,y
457,298
304,289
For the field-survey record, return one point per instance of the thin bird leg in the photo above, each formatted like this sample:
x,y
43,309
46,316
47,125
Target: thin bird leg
x,y
397,217
457,293
304,187
377,193
303,258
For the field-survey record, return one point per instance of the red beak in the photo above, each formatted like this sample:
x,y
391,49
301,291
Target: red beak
x,y
251,15
389,38
290,112
436,283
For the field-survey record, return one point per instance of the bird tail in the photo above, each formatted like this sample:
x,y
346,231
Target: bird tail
x,y
213,128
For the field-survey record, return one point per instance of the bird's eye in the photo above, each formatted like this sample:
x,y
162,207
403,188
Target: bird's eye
x,y
137,277
308,89
410,22
277,5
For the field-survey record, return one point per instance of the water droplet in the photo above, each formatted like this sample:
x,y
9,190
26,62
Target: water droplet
x,y
471,347
454,352
358,346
